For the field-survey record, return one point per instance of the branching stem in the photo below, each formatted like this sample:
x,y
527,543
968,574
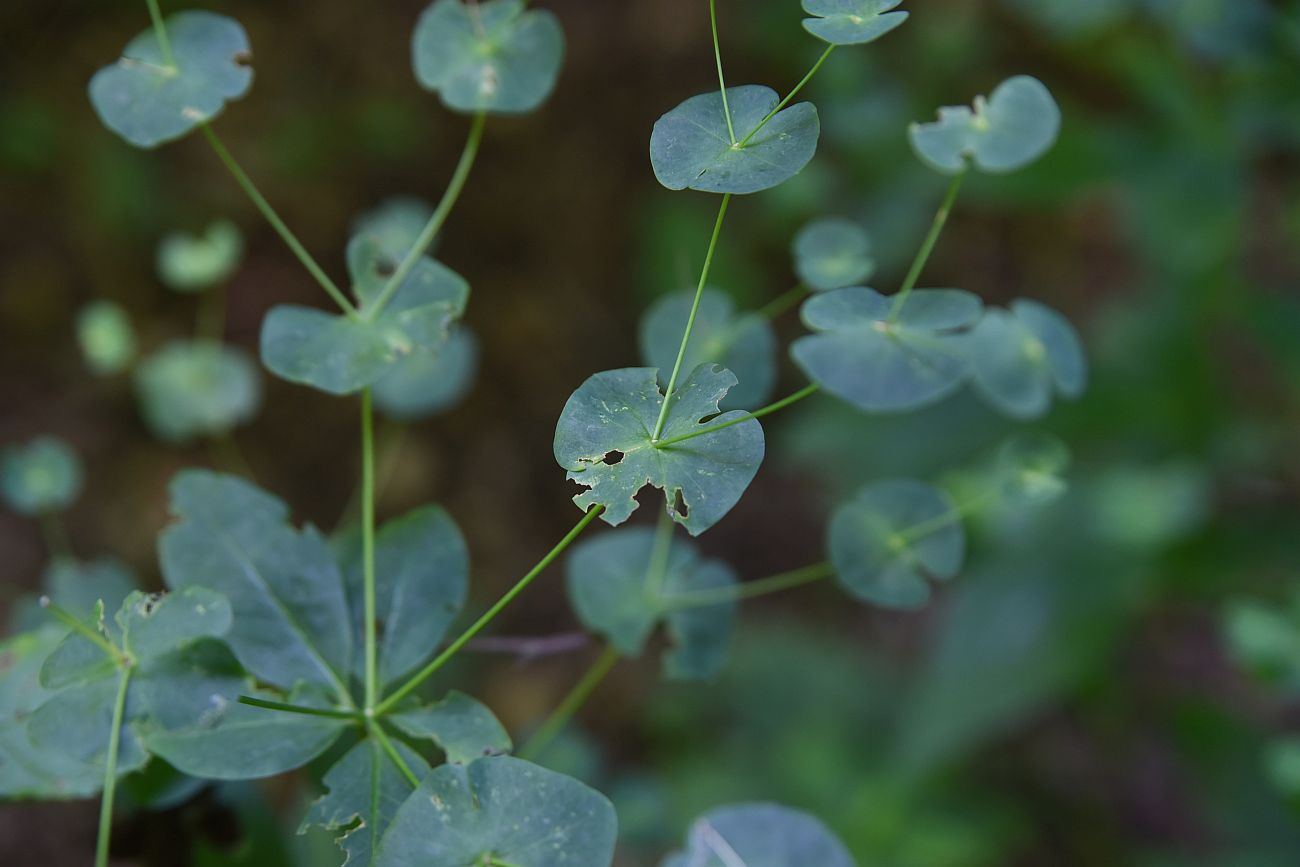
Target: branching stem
x,y
740,419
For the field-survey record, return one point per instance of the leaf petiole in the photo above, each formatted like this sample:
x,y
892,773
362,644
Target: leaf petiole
x,y
922,529
788,97
927,247
160,32
386,744
722,81
570,704
110,770
68,619
368,544
740,419
332,713
783,302
750,589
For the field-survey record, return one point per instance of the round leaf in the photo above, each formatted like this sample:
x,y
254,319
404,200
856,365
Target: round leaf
x,y
500,810
1009,130
429,381
885,541
832,253
393,226
197,388
615,591
106,338
760,835
147,101
603,440
190,263
877,365
40,477
744,343
493,56
851,22
1021,356
1030,468
691,147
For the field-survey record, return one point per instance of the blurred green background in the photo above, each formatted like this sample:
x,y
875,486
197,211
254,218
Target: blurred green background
x,y
1069,700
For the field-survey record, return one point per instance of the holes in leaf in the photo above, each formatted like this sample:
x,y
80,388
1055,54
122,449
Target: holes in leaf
x,y
679,506
612,458
243,58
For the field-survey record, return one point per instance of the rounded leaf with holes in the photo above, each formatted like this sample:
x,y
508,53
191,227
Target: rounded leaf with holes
x,y
197,388
879,362
604,440
692,146
192,263
148,98
893,535
760,835
41,476
852,22
1020,357
832,253
495,56
499,811
744,343
1007,131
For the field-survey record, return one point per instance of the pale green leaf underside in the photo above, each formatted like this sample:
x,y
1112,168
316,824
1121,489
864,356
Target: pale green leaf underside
x,y
881,366
503,811
893,535
1021,357
852,22
1007,131
832,253
743,343
603,439
462,727
147,103
760,835
41,476
691,147
615,594
194,388
192,263
488,56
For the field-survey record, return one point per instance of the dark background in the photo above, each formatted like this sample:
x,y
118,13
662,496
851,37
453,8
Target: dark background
x,y
1068,701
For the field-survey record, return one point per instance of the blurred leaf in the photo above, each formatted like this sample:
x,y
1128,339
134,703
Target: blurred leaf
x,y
106,338
831,253
196,388
462,727
760,835
1007,131
852,22
1021,356
193,263
40,477
429,381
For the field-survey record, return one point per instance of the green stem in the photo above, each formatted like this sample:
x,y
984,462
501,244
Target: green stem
x,y
924,528
68,619
750,589
740,419
423,674
246,183
690,321
570,705
368,544
657,567
789,96
160,31
722,81
332,713
386,744
927,247
440,214
783,302
110,771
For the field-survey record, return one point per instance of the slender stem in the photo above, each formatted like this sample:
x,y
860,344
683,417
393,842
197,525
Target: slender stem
x,y
722,81
332,713
388,448
690,321
160,31
423,674
440,214
740,419
68,619
110,770
750,589
657,566
783,302
927,247
241,177
570,704
386,744
921,529
788,97
368,543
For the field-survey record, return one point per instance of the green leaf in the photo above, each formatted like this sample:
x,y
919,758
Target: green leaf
x,y
153,624
343,354
462,727
148,102
77,722
1019,357
196,388
429,381
501,811
691,147
393,226
365,788
744,343
760,835
421,579
40,477
1008,131
77,585
190,263
1266,639
603,439
832,253
291,617
492,56
1030,468
852,22
106,337
893,535
77,658
618,593
876,365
